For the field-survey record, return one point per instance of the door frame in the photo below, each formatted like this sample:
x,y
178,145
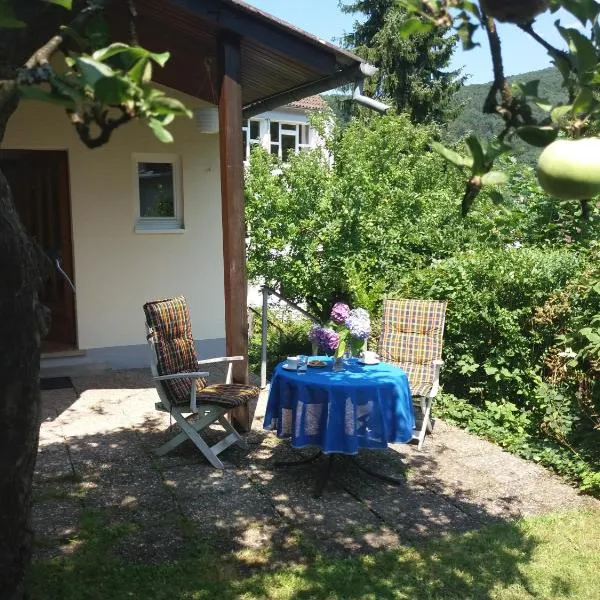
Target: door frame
x,y
65,220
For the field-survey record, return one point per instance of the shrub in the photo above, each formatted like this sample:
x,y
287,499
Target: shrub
x,y
491,351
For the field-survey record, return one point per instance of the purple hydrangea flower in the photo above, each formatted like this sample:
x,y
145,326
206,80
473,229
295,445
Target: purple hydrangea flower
x,y
329,339
359,323
314,335
340,312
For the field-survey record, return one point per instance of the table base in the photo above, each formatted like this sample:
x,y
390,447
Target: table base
x,y
325,473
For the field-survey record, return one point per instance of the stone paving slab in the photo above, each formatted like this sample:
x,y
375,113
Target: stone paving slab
x,y
96,445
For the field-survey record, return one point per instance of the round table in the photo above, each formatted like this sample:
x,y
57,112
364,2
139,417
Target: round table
x,y
363,406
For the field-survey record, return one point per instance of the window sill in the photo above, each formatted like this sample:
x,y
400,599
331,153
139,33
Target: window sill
x,y
138,229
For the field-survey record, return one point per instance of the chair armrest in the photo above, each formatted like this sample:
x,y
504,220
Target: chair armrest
x,y
192,375
228,359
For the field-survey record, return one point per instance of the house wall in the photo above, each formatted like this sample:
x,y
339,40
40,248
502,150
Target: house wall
x,y
117,269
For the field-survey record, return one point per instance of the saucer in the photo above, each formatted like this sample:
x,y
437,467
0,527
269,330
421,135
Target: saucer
x,y
373,362
288,367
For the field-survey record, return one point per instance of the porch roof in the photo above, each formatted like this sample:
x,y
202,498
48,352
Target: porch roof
x,y
280,63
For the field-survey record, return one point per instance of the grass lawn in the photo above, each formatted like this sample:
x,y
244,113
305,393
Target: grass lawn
x,y
551,557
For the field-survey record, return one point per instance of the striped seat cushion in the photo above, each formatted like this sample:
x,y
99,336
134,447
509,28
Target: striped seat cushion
x,y
412,337
170,326
228,395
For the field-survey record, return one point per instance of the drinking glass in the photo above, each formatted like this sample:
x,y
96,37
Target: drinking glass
x,y
302,364
347,357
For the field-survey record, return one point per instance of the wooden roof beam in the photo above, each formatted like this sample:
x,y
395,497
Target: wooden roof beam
x,y
270,33
330,82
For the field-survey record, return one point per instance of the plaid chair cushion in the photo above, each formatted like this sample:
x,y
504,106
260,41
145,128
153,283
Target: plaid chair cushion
x,y
228,395
169,323
412,337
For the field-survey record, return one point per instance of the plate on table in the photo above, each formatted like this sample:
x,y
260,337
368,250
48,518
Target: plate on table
x,y
289,367
371,362
317,363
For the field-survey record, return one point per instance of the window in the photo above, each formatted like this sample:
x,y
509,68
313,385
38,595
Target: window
x,y
157,181
251,135
288,138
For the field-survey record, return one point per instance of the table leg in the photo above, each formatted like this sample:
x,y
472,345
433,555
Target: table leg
x,y
301,461
386,478
323,477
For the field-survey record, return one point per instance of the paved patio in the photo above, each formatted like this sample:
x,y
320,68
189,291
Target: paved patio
x,y
95,453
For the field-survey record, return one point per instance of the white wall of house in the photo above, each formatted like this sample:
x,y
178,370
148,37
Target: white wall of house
x,y
116,268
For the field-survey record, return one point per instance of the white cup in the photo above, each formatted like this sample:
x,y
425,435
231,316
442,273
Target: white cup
x,y
370,357
292,362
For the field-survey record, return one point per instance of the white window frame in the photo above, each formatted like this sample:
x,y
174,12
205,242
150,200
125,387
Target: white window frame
x,y
288,132
252,141
173,224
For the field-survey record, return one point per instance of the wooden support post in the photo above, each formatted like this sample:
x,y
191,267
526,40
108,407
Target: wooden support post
x,y
232,206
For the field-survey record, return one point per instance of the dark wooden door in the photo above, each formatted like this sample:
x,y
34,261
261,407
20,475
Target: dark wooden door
x,y
40,184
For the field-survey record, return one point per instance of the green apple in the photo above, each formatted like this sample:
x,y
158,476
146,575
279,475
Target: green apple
x,y
570,169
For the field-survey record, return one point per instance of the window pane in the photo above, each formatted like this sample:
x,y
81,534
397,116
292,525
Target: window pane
x,y
288,146
275,149
254,130
244,143
304,134
288,127
156,189
274,131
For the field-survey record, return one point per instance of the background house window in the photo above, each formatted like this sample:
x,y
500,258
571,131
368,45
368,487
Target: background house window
x,y
250,135
288,138
157,180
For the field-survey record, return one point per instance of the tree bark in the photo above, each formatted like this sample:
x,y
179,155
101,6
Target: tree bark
x,y
23,323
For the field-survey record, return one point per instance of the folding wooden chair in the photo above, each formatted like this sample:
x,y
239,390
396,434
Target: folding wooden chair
x,y
182,387
411,338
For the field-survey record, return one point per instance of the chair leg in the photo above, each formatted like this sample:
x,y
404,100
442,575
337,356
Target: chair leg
x,y
426,425
190,431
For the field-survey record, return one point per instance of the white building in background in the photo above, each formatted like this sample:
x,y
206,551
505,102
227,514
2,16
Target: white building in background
x,y
282,132
285,130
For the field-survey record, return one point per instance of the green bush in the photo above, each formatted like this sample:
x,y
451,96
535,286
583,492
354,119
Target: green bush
x,y
491,350
287,335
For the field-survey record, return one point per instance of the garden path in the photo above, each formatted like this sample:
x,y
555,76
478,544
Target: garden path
x,y
95,455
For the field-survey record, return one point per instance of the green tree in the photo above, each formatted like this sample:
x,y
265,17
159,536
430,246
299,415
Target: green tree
x,y
412,72
101,87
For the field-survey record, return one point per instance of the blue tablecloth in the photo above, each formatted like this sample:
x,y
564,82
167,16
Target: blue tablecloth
x,y
364,406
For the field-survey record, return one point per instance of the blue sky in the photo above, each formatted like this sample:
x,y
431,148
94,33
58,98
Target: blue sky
x,y
324,19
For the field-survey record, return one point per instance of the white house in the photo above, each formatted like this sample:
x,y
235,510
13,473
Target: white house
x,y
137,220
285,130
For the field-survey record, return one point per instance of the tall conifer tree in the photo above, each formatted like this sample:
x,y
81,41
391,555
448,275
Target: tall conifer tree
x,y
413,72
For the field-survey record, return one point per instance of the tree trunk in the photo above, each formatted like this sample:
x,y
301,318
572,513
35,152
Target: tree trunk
x,y
22,325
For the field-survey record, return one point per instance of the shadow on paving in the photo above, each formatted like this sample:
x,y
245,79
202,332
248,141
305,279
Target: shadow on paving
x,y
105,504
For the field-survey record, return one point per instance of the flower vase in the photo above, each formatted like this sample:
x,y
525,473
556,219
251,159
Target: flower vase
x,y
338,363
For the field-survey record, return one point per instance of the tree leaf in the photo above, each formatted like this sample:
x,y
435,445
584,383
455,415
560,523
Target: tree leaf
x,y
160,58
162,134
68,4
33,92
584,10
560,112
172,105
8,17
585,102
118,48
451,156
581,49
537,136
413,26
465,31
476,150
494,178
111,90
530,88
92,70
